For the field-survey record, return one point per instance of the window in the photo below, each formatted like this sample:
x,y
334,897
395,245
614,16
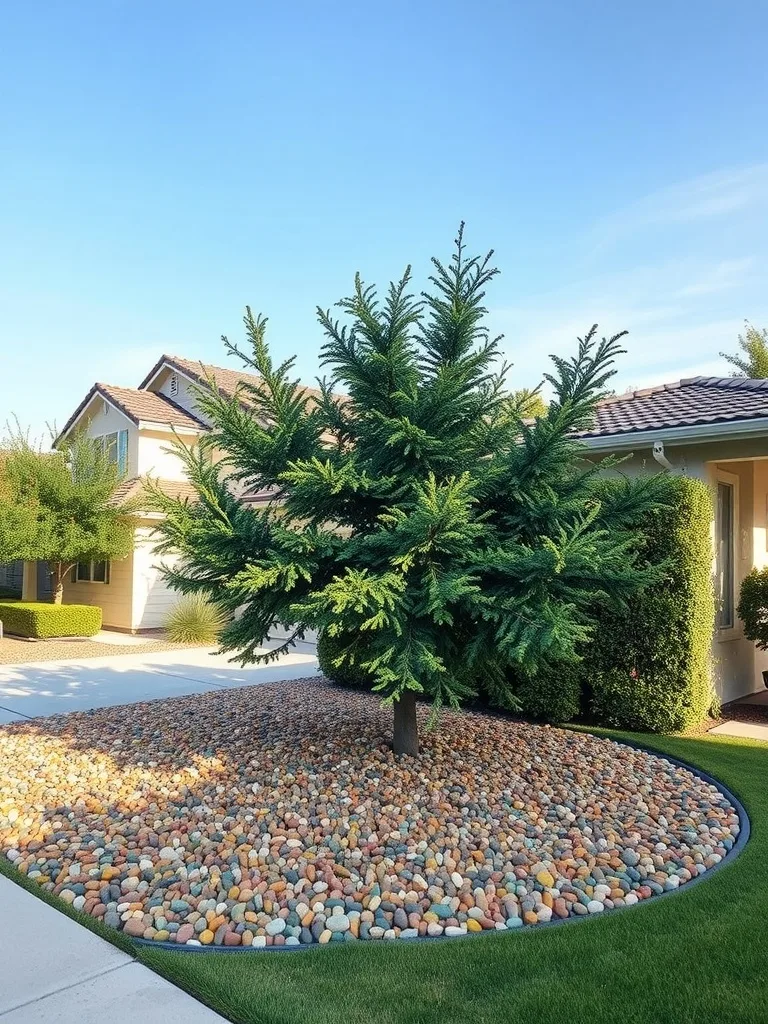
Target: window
x,y
725,583
115,447
92,572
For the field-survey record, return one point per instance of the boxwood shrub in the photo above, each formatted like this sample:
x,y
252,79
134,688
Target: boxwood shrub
x,y
45,621
554,695
649,667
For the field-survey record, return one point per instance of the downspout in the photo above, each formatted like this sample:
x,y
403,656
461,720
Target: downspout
x,y
661,458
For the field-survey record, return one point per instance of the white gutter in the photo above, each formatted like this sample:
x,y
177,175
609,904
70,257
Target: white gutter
x,y
697,433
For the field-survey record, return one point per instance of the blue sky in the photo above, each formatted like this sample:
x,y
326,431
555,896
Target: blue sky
x,y
164,164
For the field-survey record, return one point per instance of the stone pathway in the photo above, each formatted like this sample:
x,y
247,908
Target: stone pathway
x,y
53,970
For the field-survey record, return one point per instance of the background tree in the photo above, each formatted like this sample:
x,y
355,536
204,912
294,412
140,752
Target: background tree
x,y
418,522
754,344
530,404
59,507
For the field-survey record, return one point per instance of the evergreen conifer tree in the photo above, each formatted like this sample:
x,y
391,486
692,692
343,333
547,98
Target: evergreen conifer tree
x,y
443,542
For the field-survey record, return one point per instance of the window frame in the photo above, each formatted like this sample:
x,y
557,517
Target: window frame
x,y
119,445
89,577
731,630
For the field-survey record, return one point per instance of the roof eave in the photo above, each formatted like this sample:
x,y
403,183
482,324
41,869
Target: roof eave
x,y
694,433
171,428
161,363
81,409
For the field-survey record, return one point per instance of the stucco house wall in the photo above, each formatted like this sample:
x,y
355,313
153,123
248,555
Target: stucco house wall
x,y
114,598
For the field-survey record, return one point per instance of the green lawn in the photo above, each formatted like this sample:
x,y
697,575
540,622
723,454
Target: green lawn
x,y
699,957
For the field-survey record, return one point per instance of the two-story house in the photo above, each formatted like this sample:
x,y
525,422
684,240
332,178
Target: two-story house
x,y
137,427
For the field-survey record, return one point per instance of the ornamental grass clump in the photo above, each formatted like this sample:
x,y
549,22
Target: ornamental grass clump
x,y
195,620
419,518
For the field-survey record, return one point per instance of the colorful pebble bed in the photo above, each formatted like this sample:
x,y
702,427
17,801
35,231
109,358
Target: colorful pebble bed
x,y
278,816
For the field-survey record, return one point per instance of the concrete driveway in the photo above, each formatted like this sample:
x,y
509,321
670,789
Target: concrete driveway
x,y
55,687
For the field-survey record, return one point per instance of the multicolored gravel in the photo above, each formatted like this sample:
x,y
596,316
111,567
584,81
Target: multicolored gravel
x,y
277,815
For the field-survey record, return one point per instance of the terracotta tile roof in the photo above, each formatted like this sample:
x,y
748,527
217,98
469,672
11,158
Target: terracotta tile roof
x,y
149,407
133,490
227,380
689,402
144,406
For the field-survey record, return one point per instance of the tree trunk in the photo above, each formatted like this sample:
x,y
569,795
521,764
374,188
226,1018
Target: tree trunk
x,y
57,583
405,730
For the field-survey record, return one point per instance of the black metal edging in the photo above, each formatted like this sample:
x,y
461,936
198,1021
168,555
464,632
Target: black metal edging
x,y
738,846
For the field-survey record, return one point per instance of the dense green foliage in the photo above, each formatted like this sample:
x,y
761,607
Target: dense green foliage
x,y
44,621
195,620
753,607
554,696
441,539
337,664
59,507
650,665
754,346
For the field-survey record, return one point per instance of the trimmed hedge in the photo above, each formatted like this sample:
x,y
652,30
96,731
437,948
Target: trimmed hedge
x,y
649,667
46,621
552,696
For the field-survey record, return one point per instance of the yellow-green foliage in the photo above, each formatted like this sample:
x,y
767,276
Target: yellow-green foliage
x,y
753,607
650,668
44,621
195,620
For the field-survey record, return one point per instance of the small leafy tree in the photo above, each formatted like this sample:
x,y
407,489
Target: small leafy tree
x,y
59,507
754,344
416,518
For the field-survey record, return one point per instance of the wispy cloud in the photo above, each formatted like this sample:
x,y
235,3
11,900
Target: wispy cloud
x,y
682,289
672,333
722,277
698,199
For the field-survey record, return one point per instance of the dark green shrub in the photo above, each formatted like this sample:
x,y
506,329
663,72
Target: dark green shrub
x,y
649,665
346,674
44,621
553,695
753,607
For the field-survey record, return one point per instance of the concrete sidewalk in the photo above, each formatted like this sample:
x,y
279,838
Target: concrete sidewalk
x,y
55,687
53,970
752,729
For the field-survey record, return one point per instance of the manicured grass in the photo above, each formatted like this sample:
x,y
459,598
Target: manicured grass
x,y
698,957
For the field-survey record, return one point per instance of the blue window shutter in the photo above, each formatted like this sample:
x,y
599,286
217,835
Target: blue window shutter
x,y
122,452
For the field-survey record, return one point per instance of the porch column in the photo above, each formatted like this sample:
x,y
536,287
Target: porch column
x,y
29,582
